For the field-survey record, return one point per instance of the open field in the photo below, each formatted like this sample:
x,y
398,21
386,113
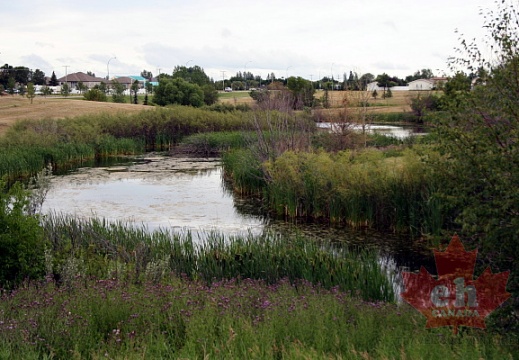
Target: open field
x,y
399,102
14,108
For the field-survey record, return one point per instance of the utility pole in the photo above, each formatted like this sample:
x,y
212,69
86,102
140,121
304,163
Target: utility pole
x,y
223,80
108,67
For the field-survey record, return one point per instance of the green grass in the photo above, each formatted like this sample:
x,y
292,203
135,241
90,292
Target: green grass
x,y
393,117
234,94
245,319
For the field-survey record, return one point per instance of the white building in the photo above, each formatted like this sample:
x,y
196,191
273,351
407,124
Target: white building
x,y
426,84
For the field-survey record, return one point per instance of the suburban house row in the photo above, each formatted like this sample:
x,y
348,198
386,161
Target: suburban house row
x,y
72,80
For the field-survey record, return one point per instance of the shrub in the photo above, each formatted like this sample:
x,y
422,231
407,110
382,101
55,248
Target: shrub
x,y
95,95
21,239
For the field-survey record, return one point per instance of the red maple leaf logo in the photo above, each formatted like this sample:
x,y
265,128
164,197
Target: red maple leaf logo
x,y
455,299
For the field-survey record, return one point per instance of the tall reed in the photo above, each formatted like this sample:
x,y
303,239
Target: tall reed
x,y
95,247
361,188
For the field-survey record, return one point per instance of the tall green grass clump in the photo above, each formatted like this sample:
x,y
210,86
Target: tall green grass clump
x,y
162,128
114,250
362,188
244,170
214,143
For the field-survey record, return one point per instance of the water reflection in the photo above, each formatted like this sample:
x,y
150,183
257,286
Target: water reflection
x,y
400,132
176,194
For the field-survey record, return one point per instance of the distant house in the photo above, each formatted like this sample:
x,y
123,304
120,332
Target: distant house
x,y
374,86
426,84
127,81
73,79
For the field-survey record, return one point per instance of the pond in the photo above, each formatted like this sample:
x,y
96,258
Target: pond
x,y
178,194
183,194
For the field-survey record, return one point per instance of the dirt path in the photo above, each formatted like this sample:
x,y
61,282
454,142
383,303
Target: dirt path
x,y
14,108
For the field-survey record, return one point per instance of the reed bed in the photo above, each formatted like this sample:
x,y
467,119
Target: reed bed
x,y
361,188
215,143
115,250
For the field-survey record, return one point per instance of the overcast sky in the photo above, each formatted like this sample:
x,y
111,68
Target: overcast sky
x,y
303,38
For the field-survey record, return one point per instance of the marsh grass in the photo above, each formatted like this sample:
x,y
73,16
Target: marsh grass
x,y
368,188
28,146
115,250
215,143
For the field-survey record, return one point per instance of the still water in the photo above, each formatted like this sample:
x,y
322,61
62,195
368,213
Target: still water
x,y
399,132
188,194
177,194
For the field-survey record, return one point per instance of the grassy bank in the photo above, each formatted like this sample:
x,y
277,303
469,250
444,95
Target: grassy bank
x,y
225,320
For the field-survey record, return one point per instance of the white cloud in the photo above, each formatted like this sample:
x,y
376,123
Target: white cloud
x,y
300,38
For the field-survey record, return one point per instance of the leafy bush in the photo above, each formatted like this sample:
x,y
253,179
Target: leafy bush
x,y
95,95
21,239
421,104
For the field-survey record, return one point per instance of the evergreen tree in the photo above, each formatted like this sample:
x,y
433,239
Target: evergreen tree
x,y
53,80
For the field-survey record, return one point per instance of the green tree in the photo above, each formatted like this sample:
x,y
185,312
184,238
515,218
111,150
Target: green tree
x,y
118,92
302,92
45,91
22,74
479,143
386,82
195,75
459,83
178,91
326,99
95,94
65,90
6,71
38,77
146,74
149,87
135,89
31,91
365,79
374,94
81,87
11,84
210,94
